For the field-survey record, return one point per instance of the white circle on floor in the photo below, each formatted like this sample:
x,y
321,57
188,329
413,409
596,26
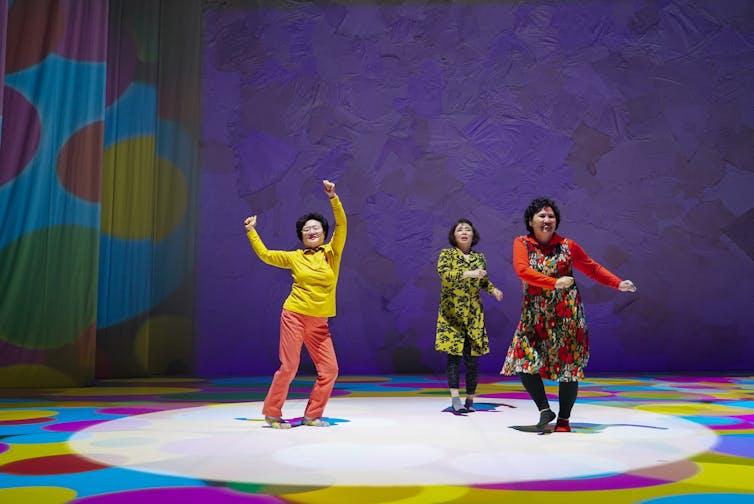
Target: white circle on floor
x,y
390,441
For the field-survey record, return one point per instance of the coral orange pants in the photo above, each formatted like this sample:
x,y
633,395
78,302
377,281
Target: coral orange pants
x,y
313,332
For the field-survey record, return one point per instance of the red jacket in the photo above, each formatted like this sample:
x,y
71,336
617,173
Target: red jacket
x,y
580,260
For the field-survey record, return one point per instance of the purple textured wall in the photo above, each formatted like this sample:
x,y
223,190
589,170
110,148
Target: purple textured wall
x,y
636,117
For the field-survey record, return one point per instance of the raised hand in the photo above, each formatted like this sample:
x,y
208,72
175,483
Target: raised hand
x,y
329,188
250,222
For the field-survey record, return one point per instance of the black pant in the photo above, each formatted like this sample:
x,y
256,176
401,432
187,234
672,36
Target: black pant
x,y
567,392
453,369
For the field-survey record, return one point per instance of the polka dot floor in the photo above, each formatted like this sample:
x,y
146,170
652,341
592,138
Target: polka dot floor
x,y
392,439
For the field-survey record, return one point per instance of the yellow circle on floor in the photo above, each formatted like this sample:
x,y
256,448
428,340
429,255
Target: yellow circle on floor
x,y
11,415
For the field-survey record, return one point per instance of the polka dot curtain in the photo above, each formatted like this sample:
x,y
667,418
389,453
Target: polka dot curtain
x,y
96,182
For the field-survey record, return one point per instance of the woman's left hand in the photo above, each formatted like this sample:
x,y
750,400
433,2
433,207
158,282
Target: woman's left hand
x,y
498,294
627,286
329,188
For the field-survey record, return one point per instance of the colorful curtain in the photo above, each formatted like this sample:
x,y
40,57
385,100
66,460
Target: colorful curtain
x,y
145,306
96,190
50,165
3,28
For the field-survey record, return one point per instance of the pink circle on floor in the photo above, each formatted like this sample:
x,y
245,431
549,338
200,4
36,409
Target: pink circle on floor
x,y
176,495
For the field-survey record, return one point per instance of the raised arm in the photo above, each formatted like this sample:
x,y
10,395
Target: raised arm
x,y
279,258
338,240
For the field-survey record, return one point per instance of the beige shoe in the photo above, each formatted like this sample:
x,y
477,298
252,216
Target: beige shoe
x,y
314,422
277,422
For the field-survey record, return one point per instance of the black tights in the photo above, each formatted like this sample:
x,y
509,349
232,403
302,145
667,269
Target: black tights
x,y
453,369
567,392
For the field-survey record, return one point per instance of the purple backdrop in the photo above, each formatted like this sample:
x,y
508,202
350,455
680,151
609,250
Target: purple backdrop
x,y
637,117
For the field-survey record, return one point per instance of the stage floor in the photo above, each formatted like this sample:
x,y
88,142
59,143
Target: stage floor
x,y
393,439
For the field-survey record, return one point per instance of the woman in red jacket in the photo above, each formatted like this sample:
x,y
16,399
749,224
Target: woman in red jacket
x,y
552,338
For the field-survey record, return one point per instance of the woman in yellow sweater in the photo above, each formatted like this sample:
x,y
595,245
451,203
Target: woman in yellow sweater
x,y
305,314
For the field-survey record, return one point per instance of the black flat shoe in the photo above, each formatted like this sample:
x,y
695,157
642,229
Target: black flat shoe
x,y
545,417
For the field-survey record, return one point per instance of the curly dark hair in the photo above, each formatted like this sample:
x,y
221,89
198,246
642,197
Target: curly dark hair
x,y
535,206
311,216
452,233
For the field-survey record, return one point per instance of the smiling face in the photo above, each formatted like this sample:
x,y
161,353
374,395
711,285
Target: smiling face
x,y
543,223
312,234
464,235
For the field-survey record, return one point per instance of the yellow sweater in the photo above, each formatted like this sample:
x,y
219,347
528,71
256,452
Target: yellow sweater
x,y
314,272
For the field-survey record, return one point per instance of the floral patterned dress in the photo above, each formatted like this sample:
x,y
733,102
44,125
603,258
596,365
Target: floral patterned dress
x,y
461,313
552,337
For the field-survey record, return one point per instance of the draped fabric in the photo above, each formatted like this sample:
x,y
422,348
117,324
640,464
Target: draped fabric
x,y
97,167
636,117
3,28
50,159
145,305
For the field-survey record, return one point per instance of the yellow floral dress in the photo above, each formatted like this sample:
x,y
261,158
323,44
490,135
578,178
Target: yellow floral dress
x,y
461,313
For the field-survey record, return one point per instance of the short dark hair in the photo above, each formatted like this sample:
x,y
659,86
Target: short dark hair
x,y
311,216
452,233
535,206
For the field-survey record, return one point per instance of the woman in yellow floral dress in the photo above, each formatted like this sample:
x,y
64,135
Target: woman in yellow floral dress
x,y
552,337
460,319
